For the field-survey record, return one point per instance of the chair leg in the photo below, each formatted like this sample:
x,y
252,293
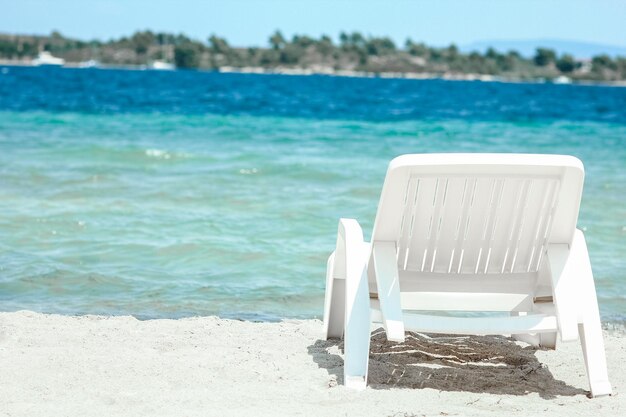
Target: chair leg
x,y
545,340
334,308
357,330
347,301
356,354
531,339
548,340
590,330
595,360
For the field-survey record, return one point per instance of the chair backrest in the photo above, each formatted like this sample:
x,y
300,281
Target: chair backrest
x,y
478,214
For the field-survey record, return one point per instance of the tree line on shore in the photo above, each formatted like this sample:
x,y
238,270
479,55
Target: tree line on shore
x,y
353,52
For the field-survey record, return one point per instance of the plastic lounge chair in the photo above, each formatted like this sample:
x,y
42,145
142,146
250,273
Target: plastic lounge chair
x,y
469,232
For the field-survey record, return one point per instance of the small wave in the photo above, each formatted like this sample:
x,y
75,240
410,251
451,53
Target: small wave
x,y
251,171
162,154
158,153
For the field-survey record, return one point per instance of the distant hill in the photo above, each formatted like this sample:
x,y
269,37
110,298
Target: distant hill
x,y
581,50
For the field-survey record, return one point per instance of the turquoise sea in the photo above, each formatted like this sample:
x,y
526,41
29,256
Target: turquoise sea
x,y
169,194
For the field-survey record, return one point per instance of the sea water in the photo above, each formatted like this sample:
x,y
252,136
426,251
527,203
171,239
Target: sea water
x,y
169,194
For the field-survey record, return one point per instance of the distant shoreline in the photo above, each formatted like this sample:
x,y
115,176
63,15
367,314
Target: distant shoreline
x,y
354,55
448,76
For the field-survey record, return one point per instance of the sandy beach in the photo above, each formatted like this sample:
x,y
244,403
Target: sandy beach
x,y
92,366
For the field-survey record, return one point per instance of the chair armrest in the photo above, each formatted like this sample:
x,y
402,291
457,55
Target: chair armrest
x,y
346,264
349,242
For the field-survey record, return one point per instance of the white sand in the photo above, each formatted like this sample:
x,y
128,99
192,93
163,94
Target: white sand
x,y
54,365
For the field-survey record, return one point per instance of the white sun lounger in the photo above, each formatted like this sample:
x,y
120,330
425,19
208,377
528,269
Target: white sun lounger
x,y
469,232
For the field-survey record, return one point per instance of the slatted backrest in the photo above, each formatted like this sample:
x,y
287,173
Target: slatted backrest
x,y
478,213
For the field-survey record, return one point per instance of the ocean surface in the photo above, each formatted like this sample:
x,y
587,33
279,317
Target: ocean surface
x,y
170,194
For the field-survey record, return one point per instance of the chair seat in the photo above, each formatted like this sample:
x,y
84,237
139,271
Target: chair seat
x,y
532,323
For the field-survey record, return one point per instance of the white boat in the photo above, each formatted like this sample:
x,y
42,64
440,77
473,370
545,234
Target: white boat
x,y
46,58
162,65
562,79
92,63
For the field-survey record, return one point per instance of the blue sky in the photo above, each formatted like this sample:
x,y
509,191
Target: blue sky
x,y
249,22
